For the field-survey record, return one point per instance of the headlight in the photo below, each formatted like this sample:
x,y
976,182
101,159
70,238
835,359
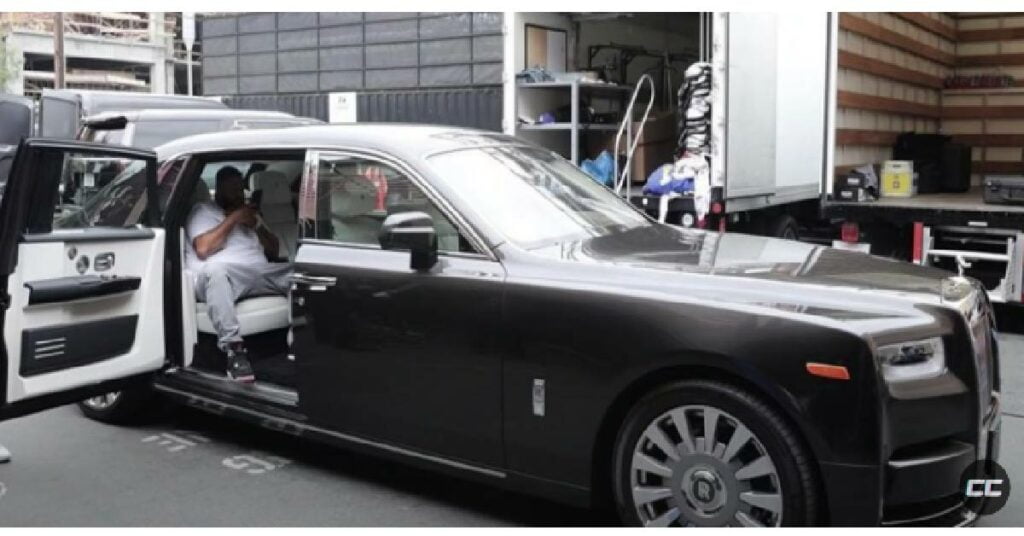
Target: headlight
x,y
916,360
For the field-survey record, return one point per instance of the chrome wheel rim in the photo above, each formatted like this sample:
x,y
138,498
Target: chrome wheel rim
x,y
103,401
698,466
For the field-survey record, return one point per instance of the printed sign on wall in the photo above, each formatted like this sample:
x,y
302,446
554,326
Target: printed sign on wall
x,y
341,107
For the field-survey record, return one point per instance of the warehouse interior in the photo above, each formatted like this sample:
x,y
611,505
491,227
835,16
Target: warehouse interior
x,y
609,53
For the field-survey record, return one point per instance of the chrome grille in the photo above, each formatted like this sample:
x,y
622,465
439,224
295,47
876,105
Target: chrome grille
x,y
979,319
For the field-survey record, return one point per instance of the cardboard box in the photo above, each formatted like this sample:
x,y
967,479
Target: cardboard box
x,y
656,146
898,179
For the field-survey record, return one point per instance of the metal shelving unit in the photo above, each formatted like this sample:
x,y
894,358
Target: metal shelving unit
x,y
541,97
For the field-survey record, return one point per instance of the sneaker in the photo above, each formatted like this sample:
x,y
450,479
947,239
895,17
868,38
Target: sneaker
x,y
239,368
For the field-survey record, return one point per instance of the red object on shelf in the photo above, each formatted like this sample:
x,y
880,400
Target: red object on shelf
x,y
850,232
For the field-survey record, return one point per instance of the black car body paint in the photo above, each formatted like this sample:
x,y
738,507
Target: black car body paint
x,y
444,363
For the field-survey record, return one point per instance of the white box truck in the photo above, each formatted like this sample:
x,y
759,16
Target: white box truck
x,y
798,101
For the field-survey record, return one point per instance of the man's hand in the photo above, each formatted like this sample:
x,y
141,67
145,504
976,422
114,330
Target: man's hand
x,y
213,240
246,216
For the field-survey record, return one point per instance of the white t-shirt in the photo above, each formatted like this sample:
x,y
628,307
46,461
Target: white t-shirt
x,y
241,246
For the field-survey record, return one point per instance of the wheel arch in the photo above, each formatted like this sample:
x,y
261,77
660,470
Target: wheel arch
x,y
604,444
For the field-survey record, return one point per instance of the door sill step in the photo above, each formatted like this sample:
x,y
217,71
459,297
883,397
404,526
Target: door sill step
x,y
261,391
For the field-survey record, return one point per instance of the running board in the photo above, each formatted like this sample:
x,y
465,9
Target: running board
x,y
221,385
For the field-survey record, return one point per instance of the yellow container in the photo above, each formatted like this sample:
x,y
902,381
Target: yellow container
x,y
898,179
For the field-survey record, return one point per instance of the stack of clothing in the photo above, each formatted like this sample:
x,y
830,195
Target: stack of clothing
x,y
695,110
690,173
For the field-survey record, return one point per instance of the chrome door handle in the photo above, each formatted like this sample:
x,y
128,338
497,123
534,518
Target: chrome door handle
x,y
306,279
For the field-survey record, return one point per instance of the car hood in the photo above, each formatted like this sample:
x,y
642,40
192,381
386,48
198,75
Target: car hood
x,y
755,270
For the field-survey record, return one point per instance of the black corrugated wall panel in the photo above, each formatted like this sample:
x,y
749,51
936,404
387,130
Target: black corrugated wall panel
x,y
305,105
477,107
469,107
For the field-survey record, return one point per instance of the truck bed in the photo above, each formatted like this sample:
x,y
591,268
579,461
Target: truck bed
x,y
966,208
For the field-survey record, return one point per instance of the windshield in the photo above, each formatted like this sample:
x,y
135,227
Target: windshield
x,y
534,197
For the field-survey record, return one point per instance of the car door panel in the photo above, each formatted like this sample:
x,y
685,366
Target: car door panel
x,y
107,347
400,356
83,306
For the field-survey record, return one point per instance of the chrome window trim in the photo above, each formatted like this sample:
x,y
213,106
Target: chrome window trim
x,y
376,247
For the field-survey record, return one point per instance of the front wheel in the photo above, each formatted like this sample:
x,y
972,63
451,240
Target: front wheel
x,y
706,454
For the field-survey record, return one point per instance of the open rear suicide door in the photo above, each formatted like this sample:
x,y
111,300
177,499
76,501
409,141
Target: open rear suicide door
x,y
81,273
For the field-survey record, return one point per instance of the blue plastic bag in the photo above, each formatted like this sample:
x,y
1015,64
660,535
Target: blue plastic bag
x,y
602,168
664,180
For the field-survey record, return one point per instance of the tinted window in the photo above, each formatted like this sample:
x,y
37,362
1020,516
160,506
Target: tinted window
x,y
149,134
166,179
98,191
354,195
15,119
6,159
59,118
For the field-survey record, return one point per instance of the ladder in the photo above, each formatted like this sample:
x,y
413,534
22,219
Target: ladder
x,y
624,177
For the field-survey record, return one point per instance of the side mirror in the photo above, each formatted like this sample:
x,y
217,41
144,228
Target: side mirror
x,y
415,232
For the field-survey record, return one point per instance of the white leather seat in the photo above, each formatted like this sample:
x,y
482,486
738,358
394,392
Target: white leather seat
x,y
255,315
277,209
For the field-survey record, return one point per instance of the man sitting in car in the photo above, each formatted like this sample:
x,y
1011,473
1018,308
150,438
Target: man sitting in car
x,y
230,250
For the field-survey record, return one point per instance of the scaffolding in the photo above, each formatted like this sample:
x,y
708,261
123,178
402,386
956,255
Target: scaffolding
x,y
124,26
83,72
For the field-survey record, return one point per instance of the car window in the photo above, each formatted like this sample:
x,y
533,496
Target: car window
x,y
100,191
534,197
354,196
167,179
149,134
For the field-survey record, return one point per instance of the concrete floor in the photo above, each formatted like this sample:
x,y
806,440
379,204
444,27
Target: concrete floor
x,y
191,469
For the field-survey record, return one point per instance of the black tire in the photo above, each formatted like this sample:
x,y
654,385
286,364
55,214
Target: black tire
x,y
784,226
133,405
794,474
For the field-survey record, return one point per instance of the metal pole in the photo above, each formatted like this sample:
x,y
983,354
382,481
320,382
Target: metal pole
x,y
188,68
58,50
188,37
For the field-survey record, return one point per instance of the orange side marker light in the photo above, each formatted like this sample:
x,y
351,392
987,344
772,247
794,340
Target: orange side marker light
x,y
832,372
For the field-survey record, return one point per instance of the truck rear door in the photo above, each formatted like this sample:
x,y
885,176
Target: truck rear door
x,y
776,126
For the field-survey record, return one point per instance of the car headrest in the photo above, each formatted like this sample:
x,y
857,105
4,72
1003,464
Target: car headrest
x,y
291,168
275,186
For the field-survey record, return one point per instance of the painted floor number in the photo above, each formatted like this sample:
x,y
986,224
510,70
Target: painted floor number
x,y
177,441
254,464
